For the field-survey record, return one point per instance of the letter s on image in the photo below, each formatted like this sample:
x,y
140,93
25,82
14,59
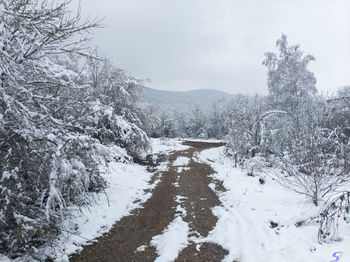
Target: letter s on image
x,y
337,255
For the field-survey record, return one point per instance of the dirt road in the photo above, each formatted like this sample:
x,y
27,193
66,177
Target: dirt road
x,y
137,229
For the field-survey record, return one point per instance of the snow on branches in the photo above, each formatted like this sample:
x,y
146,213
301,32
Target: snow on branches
x,y
298,137
54,119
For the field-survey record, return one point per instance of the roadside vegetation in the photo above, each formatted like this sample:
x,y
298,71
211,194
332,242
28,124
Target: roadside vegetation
x,y
65,110
299,137
295,134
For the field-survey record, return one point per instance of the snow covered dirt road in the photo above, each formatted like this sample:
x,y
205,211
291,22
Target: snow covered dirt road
x,y
173,223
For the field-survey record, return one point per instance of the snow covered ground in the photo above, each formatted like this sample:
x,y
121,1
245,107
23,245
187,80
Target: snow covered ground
x,y
125,192
181,161
4,259
257,221
166,145
126,184
174,238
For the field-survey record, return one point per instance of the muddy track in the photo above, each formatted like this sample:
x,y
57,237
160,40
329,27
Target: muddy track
x,y
142,224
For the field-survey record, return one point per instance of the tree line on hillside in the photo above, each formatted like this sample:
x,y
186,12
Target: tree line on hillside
x,y
63,111
187,121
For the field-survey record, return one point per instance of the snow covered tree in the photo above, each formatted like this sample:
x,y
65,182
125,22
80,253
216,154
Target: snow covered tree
x,y
252,128
339,110
335,211
197,123
217,116
43,168
317,167
291,85
117,93
55,121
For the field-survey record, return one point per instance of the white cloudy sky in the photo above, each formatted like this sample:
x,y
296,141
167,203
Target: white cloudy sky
x,y
191,44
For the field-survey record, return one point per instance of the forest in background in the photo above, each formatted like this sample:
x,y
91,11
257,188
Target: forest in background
x,y
64,110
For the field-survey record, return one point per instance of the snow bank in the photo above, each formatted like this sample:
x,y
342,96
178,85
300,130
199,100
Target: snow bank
x,y
171,241
126,183
181,161
257,222
209,140
4,258
174,238
166,145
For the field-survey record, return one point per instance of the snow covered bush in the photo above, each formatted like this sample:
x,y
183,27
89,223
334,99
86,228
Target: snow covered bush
x,y
241,124
252,130
337,208
54,120
295,135
315,168
40,180
115,129
117,119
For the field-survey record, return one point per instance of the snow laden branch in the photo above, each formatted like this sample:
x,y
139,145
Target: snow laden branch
x,y
335,211
298,137
251,131
62,115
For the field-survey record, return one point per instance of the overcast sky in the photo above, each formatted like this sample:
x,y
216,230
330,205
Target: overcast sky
x,y
220,44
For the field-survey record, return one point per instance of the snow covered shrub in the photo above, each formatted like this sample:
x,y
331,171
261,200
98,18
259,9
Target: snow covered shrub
x,y
240,123
117,89
255,165
117,119
39,175
196,123
115,129
40,179
50,115
337,208
252,130
316,167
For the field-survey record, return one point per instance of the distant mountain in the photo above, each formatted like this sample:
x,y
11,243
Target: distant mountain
x,y
201,97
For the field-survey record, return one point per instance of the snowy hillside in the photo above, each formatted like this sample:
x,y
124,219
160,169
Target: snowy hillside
x,y
169,99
